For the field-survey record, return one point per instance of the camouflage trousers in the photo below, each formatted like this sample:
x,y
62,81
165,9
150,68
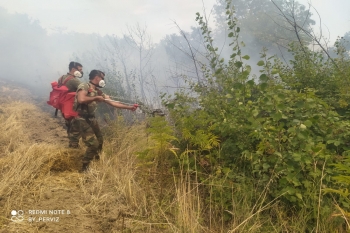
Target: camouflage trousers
x,y
68,123
72,143
89,130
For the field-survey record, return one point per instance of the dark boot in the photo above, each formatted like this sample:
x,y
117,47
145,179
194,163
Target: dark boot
x,y
85,167
99,149
73,146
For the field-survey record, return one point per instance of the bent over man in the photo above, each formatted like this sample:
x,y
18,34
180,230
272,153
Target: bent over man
x,y
85,124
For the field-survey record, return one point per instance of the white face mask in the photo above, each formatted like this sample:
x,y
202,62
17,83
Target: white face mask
x,y
77,74
102,83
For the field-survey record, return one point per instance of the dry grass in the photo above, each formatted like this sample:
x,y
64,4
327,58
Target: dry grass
x,y
119,193
113,196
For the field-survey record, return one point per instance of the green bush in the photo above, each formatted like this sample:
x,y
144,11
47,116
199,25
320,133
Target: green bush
x,y
282,135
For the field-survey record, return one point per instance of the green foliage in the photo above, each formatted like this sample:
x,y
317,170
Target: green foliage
x,y
281,135
329,78
161,138
342,181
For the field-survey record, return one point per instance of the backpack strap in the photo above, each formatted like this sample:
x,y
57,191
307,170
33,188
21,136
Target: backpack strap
x,y
99,92
90,89
67,79
60,83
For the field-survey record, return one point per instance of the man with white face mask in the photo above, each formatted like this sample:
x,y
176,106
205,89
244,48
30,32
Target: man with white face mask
x,y
71,80
85,124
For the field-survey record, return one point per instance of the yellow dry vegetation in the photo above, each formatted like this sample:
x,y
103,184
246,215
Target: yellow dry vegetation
x,y
40,175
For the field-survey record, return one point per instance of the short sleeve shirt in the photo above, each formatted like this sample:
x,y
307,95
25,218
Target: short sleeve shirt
x,y
86,109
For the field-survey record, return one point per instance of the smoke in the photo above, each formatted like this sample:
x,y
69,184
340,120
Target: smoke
x,y
31,57
135,68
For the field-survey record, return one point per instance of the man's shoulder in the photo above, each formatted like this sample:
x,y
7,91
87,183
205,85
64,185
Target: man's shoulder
x,y
83,86
74,81
64,77
61,78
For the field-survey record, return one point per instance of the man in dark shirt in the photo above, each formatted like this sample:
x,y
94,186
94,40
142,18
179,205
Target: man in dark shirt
x,y
75,72
71,80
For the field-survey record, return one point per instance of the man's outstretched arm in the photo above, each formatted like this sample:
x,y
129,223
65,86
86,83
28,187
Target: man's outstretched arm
x,y
119,105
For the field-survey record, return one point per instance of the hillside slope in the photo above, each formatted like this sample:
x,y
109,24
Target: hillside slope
x,y
39,176
37,172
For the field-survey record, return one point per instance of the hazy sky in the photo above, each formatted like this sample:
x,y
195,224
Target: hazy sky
x,y
112,16
335,16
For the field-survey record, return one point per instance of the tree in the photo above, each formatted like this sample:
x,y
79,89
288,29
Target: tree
x,y
263,25
187,54
115,61
141,41
346,41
